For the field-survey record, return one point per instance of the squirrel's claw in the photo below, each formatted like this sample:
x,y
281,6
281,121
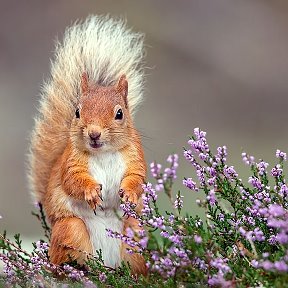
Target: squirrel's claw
x,y
131,197
101,207
121,193
99,193
93,196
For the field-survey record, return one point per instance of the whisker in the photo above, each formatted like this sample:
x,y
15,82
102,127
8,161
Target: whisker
x,y
128,135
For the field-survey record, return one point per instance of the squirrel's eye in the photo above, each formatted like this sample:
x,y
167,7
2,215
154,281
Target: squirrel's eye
x,y
119,115
77,113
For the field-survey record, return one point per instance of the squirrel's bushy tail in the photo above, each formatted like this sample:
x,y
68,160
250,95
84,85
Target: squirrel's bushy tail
x,y
104,48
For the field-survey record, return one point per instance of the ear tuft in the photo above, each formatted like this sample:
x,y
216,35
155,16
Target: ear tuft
x,y
84,83
122,88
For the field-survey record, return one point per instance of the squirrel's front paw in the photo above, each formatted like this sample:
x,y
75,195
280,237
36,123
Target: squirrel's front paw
x,y
93,196
128,196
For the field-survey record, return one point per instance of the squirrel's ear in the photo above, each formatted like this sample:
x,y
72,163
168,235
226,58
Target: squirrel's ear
x,y
122,88
84,84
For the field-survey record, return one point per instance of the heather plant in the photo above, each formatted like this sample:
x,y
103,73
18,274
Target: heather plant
x,y
242,242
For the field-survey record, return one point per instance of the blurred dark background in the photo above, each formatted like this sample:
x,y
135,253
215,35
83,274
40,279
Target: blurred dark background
x,y
221,65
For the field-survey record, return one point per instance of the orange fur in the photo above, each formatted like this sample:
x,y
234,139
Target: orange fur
x,y
135,173
69,240
70,178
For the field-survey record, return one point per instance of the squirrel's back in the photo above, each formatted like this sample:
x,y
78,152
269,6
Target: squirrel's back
x,y
105,49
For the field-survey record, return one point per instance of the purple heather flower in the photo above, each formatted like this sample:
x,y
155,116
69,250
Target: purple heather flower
x,y
129,232
165,234
211,181
128,209
276,223
173,159
155,169
197,239
251,220
255,182
141,233
199,133
204,156
168,173
242,231
272,240
189,183
155,255
220,264
258,235
179,252
230,172
221,154
281,155
244,192
129,251
219,281
146,210
249,160
171,218
176,239
267,265
277,210
277,171
171,172
200,172
73,274
221,217
189,157
283,190
211,197
281,266
159,186
212,171
157,222
261,167
37,263
255,263
124,238
102,277
282,237
148,189
8,270
200,263
199,145
143,242
166,261
178,203
42,246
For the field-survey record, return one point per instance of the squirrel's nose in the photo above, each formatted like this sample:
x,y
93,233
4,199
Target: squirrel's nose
x,y
94,135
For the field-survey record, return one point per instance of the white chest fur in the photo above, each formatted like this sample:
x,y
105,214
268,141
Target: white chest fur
x,y
107,169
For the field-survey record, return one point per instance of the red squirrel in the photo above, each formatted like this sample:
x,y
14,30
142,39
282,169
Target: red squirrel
x,y
85,151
